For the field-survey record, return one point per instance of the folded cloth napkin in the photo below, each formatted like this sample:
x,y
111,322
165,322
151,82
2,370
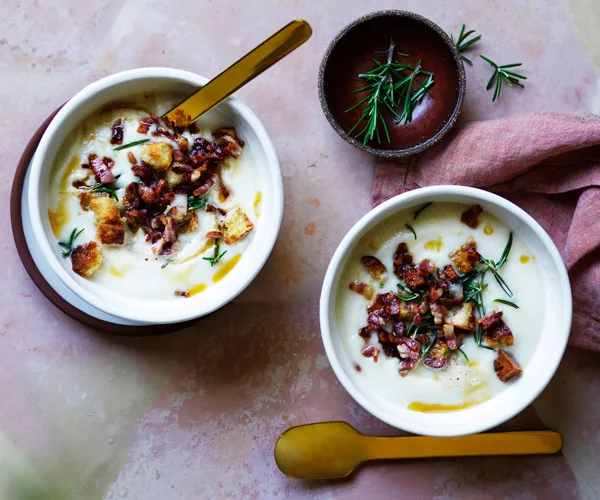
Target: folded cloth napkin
x,y
549,165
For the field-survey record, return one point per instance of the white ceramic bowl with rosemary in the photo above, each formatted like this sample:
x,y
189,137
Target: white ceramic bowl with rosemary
x,y
123,87
543,357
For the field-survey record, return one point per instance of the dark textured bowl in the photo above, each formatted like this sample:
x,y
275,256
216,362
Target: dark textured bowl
x,y
351,52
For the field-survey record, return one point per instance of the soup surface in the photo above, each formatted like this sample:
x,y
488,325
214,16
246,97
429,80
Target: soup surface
x,y
425,332
157,213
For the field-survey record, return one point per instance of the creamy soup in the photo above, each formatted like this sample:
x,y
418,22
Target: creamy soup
x,y
156,214
439,358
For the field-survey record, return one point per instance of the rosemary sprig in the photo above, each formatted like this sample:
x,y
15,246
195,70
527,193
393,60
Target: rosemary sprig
x,y
166,263
389,88
464,354
507,302
196,202
216,256
410,295
102,188
67,248
463,44
503,75
131,144
430,346
418,212
412,230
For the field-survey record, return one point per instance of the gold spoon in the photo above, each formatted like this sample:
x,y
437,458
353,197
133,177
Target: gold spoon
x,y
331,450
238,74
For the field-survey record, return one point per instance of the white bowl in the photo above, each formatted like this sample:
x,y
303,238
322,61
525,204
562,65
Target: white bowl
x,y
537,373
122,86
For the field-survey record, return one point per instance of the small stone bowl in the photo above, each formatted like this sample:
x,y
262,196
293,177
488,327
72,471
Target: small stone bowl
x,y
351,52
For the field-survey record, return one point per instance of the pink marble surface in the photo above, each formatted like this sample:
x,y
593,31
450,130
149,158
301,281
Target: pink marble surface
x,y
196,414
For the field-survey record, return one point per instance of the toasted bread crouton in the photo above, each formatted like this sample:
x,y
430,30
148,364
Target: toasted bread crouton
x,y
464,257
111,234
499,335
189,224
506,367
173,178
157,155
84,200
462,317
106,209
86,259
235,226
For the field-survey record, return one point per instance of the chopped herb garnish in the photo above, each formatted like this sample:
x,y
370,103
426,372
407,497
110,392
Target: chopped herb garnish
x,y
463,44
463,353
412,230
430,346
131,144
435,275
102,188
410,295
381,285
67,248
390,88
507,302
196,202
502,75
447,351
216,256
418,212
166,263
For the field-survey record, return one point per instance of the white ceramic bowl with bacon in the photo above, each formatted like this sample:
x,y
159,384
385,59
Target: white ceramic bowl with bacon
x,y
445,311
149,224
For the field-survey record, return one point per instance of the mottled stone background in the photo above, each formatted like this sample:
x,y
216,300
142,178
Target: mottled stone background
x,y
196,414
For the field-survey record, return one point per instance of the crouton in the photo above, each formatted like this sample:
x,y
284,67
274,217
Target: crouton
x,y
462,317
464,257
173,178
106,209
86,259
506,367
111,234
235,226
84,200
157,155
499,335
189,224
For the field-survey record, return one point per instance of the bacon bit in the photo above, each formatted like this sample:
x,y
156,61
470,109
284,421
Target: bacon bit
x,y
212,209
490,319
170,233
146,123
412,278
470,216
132,199
375,267
183,143
450,273
101,170
362,289
371,351
398,329
435,292
499,335
447,301
426,268
365,332
386,337
178,156
117,132
390,349
147,194
436,358
357,368
506,367
438,311
378,304
405,366
392,303
144,173
131,157
401,257
422,339
377,320
450,337
192,128
158,246
202,190
409,348
213,234
181,294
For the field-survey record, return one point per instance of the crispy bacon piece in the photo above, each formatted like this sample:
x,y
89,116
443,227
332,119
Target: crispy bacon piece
x,y
131,157
170,233
362,289
212,209
375,267
464,257
214,234
490,319
132,199
100,168
470,216
425,268
450,337
365,332
450,274
117,132
203,189
409,348
438,311
179,293
405,366
371,351
412,277
435,292
506,367
436,358
398,329
147,194
227,139
377,319
144,173
499,335
390,349
146,123
391,303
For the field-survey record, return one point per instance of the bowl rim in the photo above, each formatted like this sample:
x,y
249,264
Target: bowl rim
x,y
329,294
392,153
168,315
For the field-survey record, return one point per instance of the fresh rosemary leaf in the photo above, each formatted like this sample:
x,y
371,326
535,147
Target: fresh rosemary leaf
x,y
501,76
166,263
131,144
447,351
430,346
216,256
418,212
463,43
464,354
67,248
506,251
412,230
196,202
507,302
101,188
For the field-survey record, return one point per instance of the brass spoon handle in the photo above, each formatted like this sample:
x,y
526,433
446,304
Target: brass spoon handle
x,y
505,443
251,65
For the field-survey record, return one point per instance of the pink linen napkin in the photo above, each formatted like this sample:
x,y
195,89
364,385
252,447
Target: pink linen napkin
x,y
549,165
